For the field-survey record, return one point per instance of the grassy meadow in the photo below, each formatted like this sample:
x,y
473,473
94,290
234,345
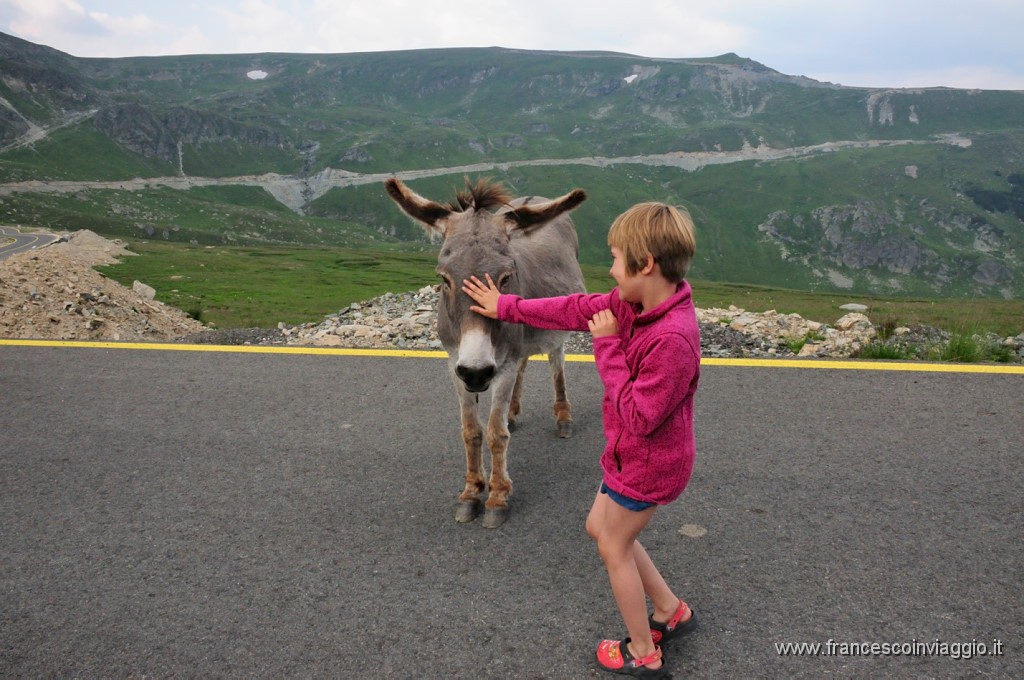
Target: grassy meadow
x,y
260,286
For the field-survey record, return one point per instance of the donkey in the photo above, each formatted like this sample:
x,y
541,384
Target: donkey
x,y
530,248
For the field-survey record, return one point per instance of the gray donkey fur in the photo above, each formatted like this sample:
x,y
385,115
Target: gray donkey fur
x,y
529,248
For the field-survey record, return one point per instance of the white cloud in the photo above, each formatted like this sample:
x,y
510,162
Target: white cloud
x,y
137,24
70,27
383,25
188,40
260,26
39,19
670,29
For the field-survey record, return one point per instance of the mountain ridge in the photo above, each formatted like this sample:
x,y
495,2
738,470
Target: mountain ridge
x,y
321,129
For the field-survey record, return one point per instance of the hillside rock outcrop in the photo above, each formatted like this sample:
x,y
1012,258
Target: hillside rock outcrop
x,y
161,135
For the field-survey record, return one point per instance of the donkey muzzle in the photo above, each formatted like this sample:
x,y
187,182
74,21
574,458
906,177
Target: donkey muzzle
x,y
475,365
476,379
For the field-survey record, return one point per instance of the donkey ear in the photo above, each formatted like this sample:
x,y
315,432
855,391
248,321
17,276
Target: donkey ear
x,y
429,214
528,217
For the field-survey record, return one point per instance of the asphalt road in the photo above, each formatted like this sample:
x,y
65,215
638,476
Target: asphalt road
x,y
212,514
21,242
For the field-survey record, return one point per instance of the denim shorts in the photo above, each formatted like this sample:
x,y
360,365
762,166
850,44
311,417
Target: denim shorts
x,y
625,501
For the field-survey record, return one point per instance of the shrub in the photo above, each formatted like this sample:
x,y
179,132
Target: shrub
x,y
1000,353
884,350
195,310
886,329
796,343
963,348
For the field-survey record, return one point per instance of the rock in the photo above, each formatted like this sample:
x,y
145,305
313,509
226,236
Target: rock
x,y
854,307
809,349
147,292
328,341
853,320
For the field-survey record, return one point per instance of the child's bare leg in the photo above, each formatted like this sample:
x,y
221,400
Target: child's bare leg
x,y
658,591
664,600
615,529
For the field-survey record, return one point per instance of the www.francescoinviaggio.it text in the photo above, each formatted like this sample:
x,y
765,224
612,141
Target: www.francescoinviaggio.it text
x,y
953,650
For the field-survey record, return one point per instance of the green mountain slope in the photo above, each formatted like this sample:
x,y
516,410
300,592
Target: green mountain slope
x,y
792,182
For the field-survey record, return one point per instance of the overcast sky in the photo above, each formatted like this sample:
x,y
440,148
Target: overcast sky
x,y
869,43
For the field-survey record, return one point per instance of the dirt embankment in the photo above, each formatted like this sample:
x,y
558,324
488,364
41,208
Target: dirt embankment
x,y
54,293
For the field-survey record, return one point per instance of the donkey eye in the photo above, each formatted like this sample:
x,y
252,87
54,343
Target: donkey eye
x,y
504,279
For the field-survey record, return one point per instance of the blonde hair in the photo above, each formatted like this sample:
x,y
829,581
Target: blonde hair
x,y
665,232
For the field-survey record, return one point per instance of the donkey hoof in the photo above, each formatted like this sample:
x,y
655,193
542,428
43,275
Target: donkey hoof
x,y
467,511
495,517
565,429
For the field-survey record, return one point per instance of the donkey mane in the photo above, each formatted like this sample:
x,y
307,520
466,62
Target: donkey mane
x,y
483,195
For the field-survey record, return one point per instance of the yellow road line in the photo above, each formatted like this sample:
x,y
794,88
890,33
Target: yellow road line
x,y
245,349
922,366
10,247
914,366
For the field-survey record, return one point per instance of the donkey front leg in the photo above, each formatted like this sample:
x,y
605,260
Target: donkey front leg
x,y
500,485
470,500
562,407
515,405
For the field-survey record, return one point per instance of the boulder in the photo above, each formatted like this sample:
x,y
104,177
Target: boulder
x,y
146,292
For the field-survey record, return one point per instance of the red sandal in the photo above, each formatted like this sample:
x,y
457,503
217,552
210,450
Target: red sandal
x,y
663,632
614,656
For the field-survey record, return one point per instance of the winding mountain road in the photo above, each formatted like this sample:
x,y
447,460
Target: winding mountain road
x,y
298,192
13,241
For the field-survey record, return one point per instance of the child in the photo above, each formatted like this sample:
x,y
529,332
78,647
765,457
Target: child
x,y
647,351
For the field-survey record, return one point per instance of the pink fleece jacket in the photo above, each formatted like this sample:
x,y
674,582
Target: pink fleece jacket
x,y
650,372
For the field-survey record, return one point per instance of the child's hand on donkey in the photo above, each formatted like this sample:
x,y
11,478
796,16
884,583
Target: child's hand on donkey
x,y
486,296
